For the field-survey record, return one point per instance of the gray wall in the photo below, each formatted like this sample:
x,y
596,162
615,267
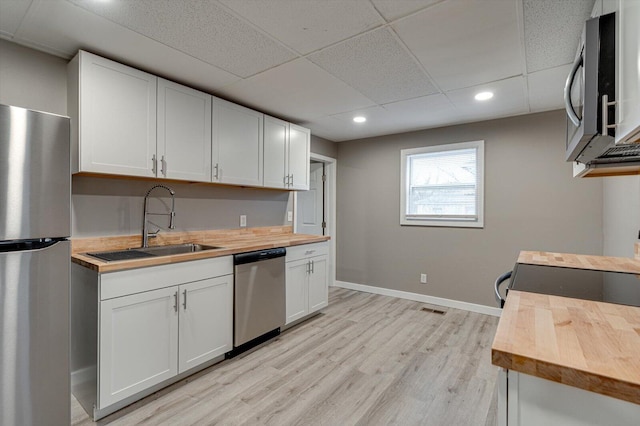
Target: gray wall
x,y
621,211
324,147
102,206
531,203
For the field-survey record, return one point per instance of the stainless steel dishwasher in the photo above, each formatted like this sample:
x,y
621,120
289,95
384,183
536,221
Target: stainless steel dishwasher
x,y
259,296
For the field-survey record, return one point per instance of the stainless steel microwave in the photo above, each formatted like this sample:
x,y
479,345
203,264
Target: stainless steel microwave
x,y
589,87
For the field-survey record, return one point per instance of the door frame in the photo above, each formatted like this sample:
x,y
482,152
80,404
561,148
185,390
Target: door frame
x,y
330,167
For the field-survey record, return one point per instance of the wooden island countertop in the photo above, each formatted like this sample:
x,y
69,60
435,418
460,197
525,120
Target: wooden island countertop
x,y
232,241
581,261
589,345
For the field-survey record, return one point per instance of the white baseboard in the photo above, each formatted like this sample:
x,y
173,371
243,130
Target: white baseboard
x,y
449,303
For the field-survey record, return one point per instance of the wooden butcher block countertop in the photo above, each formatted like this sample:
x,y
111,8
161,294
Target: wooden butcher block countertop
x,y
233,241
590,345
581,261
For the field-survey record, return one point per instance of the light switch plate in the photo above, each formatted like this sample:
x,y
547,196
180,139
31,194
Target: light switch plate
x,y
289,215
243,221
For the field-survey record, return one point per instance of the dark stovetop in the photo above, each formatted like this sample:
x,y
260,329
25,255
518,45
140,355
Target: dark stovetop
x,y
613,287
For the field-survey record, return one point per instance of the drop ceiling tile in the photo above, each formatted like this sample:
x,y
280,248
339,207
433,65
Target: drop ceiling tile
x,y
552,31
376,65
297,90
465,43
546,88
202,29
394,9
509,99
61,28
308,25
11,14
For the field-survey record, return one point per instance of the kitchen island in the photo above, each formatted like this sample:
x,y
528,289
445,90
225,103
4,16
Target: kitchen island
x,y
568,361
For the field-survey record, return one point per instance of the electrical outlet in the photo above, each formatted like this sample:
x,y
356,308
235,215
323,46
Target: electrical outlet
x,y
243,220
423,278
289,215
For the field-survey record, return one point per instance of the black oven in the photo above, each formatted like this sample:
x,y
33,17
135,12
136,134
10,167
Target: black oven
x,y
602,286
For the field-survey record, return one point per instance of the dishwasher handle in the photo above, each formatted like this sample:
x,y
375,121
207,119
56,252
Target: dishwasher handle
x,y
259,255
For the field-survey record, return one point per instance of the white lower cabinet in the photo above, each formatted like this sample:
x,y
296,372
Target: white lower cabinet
x,y
525,400
138,343
307,282
156,323
205,312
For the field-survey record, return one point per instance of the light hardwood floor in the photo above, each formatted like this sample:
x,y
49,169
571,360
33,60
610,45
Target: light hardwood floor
x,y
366,360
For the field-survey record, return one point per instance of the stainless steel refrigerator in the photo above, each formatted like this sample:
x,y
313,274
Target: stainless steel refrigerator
x,y
35,225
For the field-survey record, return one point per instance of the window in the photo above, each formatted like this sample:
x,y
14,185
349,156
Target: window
x,y
442,185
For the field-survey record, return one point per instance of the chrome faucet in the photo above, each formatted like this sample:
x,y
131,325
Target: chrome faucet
x,y
172,214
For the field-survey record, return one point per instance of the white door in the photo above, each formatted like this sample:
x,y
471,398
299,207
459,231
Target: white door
x,y
184,132
299,156
206,321
297,279
118,118
276,138
318,284
237,150
309,212
138,343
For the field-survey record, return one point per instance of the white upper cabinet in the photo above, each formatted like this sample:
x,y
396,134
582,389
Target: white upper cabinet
x,y
299,155
276,141
184,133
114,107
286,155
237,150
628,77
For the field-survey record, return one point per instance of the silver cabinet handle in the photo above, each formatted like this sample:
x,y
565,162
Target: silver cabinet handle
x,y
308,266
216,174
285,180
164,166
291,179
571,113
313,267
154,164
605,115
184,302
175,301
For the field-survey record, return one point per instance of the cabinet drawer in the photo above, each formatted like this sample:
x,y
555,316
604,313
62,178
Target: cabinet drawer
x,y
306,250
122,283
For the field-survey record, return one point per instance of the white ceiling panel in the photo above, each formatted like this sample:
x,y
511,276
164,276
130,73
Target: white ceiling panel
x,y
308,25
302,83
62,28
463,43
509,99
394,9
407,64
546,88
376,65
199,28
11,14
552,30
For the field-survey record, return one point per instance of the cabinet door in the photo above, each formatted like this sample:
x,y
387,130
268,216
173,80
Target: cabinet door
x,y
206,321
237,144
318,284
628,78
297,282
276,139
184,132
138,343
117,118
299,156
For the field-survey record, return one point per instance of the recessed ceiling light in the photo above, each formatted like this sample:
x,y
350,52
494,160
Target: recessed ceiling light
x,y
483,96
359,119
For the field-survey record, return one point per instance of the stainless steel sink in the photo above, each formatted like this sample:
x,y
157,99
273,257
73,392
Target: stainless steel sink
x,y
176,249
142,252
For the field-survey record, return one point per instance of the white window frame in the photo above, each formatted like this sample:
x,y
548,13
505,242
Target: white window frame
x,y
447,222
